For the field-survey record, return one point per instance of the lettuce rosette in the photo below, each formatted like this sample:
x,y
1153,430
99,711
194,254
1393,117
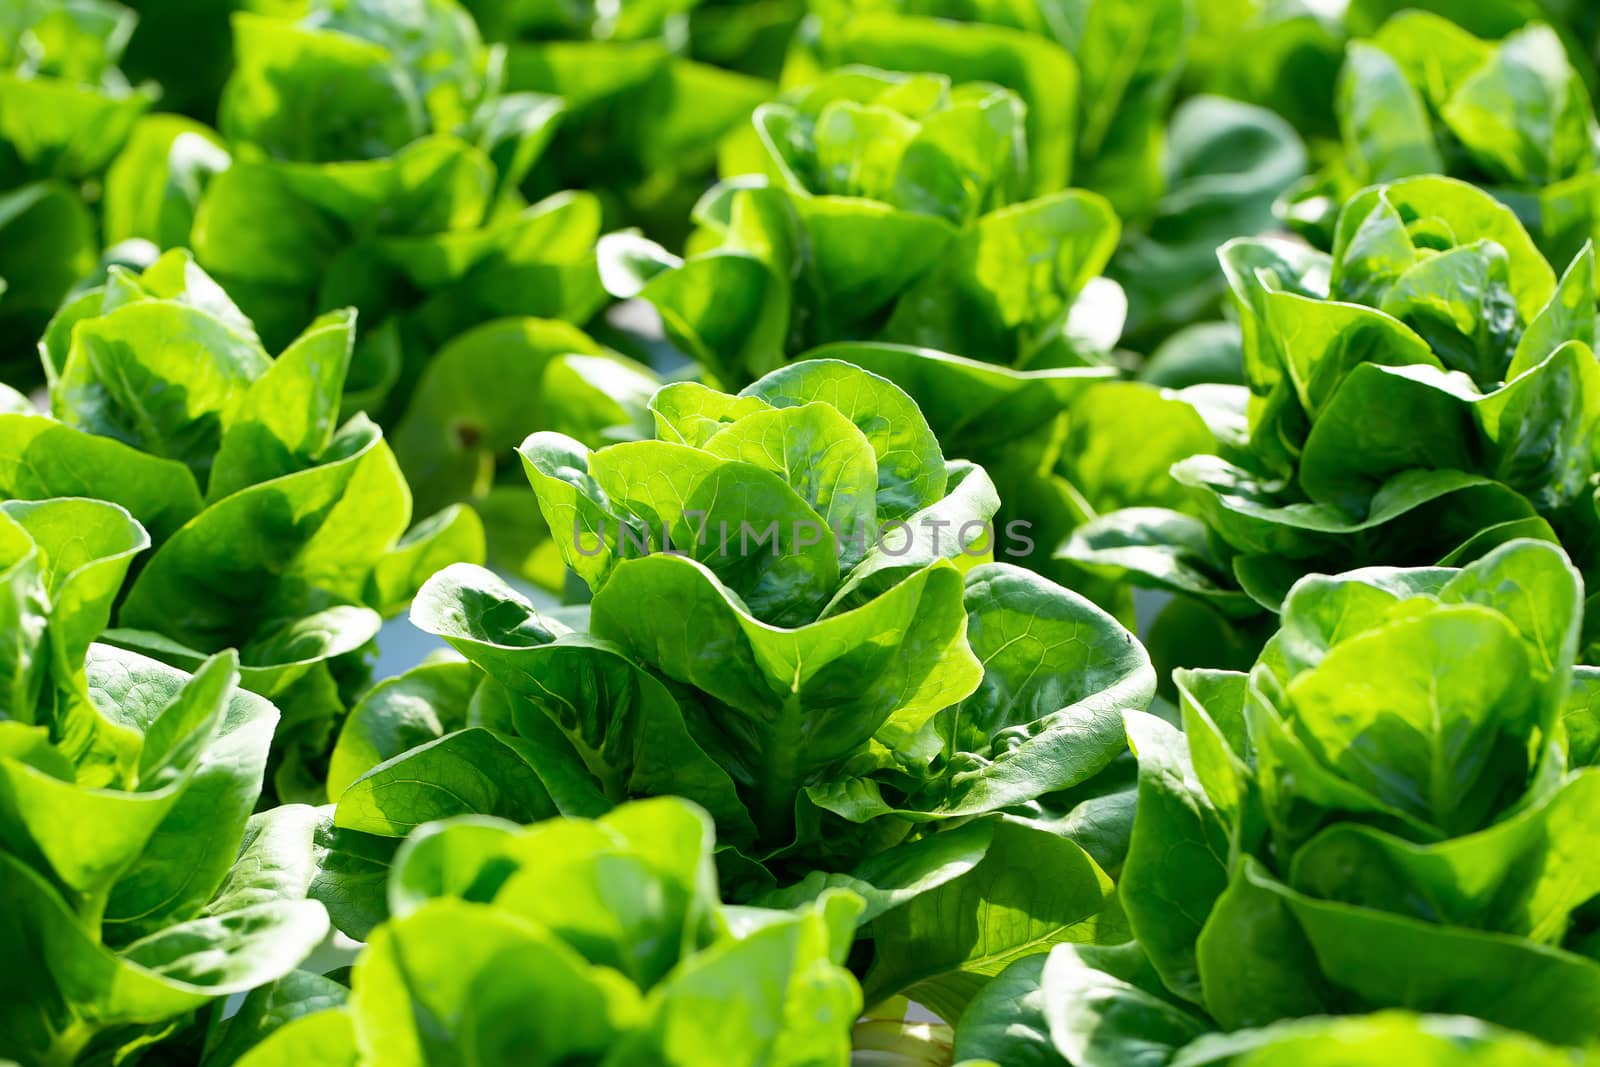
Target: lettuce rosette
x,y
368,156
277,530
1099,81
1424,393
139,889
1423,95
873,205
795,624
574,940
951,144
1387,811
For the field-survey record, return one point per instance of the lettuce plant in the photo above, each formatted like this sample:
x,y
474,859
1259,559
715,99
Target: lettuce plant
x,y
874,708
1098,81
65,111
882,206
397,194
841,707
1425,96
1425,392
1015,1031
643,115
1386,812
138,887
278,531
584,941
1097,78
1374,1040
1287,55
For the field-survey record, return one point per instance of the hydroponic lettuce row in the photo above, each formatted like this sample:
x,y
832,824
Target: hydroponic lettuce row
x,y
800,533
